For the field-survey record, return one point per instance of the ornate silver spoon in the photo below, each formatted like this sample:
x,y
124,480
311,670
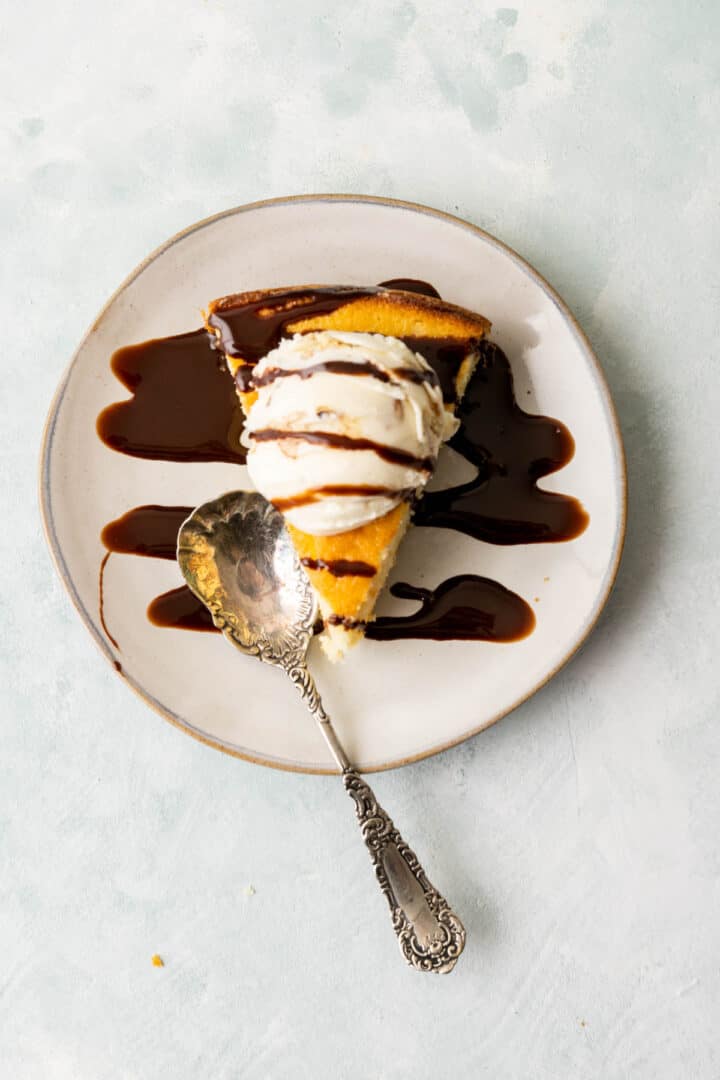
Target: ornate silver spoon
x,y
237,558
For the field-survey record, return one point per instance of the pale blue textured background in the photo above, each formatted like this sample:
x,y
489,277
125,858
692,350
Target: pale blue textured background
x,y
585,857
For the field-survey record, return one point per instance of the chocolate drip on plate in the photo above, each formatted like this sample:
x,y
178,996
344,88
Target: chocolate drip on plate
x,y
512,450
101,599
183,405
465,607
146,530
180,609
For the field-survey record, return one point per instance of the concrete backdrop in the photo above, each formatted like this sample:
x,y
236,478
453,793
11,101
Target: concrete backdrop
x,y
586,860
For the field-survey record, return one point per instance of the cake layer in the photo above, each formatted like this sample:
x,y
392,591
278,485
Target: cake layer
x,y
348,569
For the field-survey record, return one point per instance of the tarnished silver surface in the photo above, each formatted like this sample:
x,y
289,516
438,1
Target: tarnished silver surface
x,y
238,559
431,936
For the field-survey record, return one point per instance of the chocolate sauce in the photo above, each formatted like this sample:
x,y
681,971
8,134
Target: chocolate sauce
x,y
332,367
414,376
183,408
146,530
244,380
101,599
409,284
180,609
336,367
445,357
465,607
248,331
152,531
512,450
347,442
251,330
346,621
305,498
341,567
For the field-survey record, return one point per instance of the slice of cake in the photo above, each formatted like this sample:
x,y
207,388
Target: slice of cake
x,y
348,393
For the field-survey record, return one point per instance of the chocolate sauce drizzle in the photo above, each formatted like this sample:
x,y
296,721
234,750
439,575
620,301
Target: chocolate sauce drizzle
x,y
101,599
341,567
465,607
347,442
338,367
251,331
346,621
331,367
305,498
184,408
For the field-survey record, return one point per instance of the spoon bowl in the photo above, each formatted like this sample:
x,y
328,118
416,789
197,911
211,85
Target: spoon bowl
x,y
237,557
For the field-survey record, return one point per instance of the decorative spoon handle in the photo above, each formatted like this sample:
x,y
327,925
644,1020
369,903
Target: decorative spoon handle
x,y
430,935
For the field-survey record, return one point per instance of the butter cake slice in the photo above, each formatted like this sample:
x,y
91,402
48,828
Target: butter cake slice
x,y
348,393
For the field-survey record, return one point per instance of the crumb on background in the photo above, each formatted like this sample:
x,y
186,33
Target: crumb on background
x,y
157,961
249,890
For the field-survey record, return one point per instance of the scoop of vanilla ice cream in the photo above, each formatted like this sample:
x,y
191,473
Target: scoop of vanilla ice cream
x,y
345,426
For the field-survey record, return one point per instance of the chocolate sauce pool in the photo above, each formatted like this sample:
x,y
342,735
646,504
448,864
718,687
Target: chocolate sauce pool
x,y
512,450
465,607
183,405
184,408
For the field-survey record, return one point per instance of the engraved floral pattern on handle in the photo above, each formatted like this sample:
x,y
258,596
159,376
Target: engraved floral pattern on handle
x,y
430,935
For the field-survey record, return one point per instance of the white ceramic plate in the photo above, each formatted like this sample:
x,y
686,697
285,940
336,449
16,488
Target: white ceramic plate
x,y
392,702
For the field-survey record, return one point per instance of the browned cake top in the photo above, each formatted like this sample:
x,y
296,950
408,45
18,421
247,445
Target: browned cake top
x,y
248,325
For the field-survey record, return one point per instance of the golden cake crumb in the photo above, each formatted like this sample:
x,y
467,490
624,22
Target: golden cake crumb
x,y
157,961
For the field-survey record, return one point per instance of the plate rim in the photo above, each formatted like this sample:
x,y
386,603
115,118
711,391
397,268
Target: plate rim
x,y
54,546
